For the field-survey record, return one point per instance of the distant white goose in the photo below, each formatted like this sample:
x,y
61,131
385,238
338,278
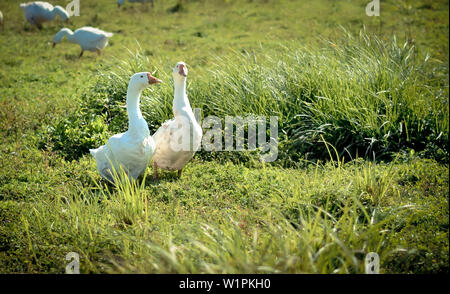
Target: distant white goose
x,y
133,149
39,12
88,38
1,19
120,2
177,139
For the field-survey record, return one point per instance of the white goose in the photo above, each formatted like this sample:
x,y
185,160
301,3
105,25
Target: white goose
x,y
89,38
171,154
1,19
132,150
39,12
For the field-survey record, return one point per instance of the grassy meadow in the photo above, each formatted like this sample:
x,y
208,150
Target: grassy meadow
x,y
363,124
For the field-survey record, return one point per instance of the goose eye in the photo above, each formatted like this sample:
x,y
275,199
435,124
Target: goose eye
x,y
142,76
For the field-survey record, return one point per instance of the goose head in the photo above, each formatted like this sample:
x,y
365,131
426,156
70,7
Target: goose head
x,y
62,13
142,80
60,35
180,72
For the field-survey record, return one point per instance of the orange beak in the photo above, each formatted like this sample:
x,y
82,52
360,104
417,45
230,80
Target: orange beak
x,y
182,70
152,79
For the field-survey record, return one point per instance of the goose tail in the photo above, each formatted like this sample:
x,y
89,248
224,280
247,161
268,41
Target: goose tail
x,y
109,35
23,5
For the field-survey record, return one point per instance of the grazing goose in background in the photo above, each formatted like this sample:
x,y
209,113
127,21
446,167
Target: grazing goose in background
x,y
1,19
120,2
171,154
88,38
39,12
133,149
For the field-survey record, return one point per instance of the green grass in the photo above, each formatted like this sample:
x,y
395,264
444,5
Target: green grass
x,y
346,88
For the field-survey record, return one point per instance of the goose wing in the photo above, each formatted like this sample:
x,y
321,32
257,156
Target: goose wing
x,y
93,33
91,38
37,12
162,135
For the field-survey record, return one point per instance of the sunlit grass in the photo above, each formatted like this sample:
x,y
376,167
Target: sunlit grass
x,y
344,86
288,221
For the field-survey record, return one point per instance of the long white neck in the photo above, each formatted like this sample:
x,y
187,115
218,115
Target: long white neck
x,y
65,33
181,105
71,37
136,123
60,11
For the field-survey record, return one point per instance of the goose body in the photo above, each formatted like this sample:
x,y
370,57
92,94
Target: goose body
x,y
36,13
177,139
132,150
89,38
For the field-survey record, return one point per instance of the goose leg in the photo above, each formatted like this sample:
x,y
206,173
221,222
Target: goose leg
x,y
81,54
179,173
155,171
99,52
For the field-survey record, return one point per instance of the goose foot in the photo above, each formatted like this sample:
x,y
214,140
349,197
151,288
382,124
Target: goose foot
x,y
81,54
179,173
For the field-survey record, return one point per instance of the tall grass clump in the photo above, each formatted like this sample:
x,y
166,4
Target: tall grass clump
x,y
365,96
